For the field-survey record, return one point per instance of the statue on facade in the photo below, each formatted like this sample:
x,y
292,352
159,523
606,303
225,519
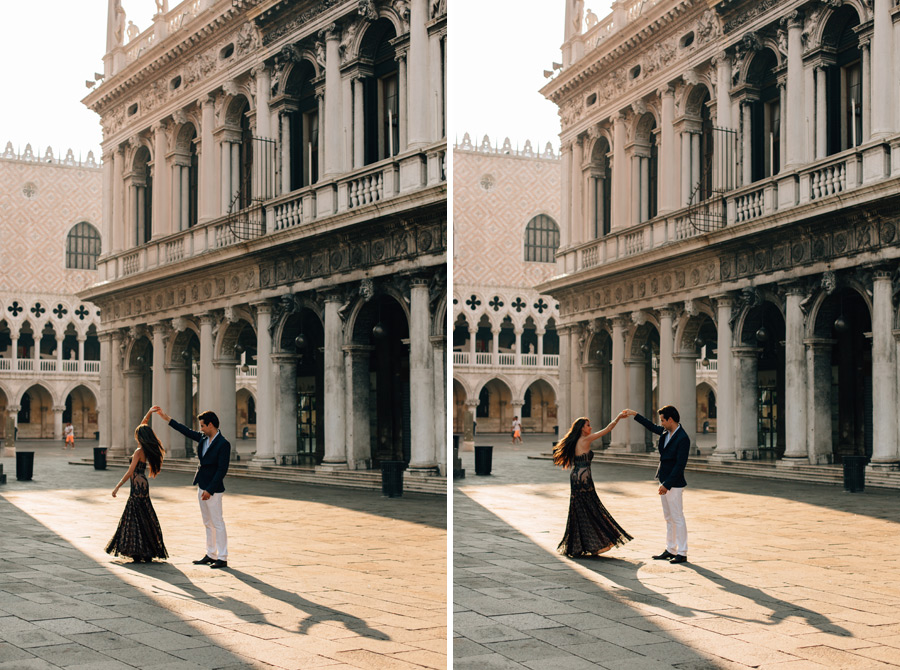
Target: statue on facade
x,y
162,6
132,31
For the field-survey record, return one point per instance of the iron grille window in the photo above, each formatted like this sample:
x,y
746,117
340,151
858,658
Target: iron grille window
x,y
82,247
541,239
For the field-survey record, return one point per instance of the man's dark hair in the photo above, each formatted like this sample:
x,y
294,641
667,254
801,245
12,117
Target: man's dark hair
x,y
669,412
210,417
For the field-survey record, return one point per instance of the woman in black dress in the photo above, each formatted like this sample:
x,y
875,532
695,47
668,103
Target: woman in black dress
x,y
590,528
139,535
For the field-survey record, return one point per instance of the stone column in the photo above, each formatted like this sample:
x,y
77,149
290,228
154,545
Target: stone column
x,y
417,75
565,228
439,421
265,415
725,376
226,400
119,222
108,162
576,375
207,391
668,179
81,339
284,366
577,182
160,224
15,349
359,438
794,115
746,428
540,345
884,375
621,437
472,333
882,74
685,167
59,353
722,62
335,446
160,397
666,383
518,358
821,106
619,205
333,112
818,400
593,386
635,370
436,76
687,393
359,124
635,190
404,101
108,355
645,188
134,409
207,198
795,401
746,164
421,378
263,86
176,374
57,422
695,161
286,152
495,352
564,416
866,110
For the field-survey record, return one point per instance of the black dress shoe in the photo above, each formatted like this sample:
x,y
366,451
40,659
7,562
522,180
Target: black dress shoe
x,y
679,559
663,556
206,560
219,564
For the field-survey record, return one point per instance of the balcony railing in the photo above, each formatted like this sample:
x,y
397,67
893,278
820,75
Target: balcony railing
x,y
505,359
372,184
49,365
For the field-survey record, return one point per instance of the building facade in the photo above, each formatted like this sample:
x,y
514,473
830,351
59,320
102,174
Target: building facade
x,y
275,196
730,180
505,232
49,347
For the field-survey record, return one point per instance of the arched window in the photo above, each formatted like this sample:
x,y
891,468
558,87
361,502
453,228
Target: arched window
x,y
142,186
82,247
844,109
541,239
765,117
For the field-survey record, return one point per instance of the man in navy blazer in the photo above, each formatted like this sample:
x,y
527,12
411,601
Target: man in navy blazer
x,y
674,448
214,452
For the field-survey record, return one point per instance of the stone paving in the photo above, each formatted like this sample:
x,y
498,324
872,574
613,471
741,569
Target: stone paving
x,y
781,575
317,577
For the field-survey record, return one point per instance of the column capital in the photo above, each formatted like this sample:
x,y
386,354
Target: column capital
x,y
206,318
724,299
58,409
264,307
667,91
793,20
330,33
819,342
882,274
666,311
799,288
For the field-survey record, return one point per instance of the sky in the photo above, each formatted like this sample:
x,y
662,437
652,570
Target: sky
x,y
49,49
498,52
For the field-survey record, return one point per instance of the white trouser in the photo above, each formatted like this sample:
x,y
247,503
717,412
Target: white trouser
x,y
216,538
676,528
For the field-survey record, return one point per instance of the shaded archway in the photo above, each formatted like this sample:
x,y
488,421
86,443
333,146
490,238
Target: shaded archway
x,y
539,408
494,412
381,92
299,389
459,407
598,380
81,411
138,387
36,417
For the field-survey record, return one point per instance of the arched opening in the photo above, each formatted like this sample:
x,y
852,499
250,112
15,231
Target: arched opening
x,y
184,384
541,239
598,380
303,119
461,337
600,175
300,403
761,365
142,197
843,81
551,341
706,409
381,92
459,407
138,386
765,116
35,419
246,414
81,412
539,408
494,413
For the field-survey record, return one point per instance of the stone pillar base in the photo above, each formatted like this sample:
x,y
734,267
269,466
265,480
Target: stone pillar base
x,y
427,470
332,467
259,462
821,459
883,467
639,448
720,457
876,163
792,461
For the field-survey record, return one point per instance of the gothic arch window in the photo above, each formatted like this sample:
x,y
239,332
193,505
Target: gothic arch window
x,y
82,247
541,239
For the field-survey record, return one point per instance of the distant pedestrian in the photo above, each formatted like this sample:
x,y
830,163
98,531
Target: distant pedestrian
x,y
70,436
516,430
590,529
139,535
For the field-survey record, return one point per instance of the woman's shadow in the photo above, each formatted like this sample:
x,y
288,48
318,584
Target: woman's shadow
x,y
315,613
625,574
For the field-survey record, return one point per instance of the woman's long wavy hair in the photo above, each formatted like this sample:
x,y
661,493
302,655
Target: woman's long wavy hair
x,y
153,449
564,451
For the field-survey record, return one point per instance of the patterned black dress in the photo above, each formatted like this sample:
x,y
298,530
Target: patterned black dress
x,y
138,535
590,528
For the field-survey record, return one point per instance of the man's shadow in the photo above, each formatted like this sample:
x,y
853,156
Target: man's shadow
x,y
625,573
316,613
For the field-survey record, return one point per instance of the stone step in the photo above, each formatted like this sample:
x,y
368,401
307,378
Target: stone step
x,y
813,474
357,479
